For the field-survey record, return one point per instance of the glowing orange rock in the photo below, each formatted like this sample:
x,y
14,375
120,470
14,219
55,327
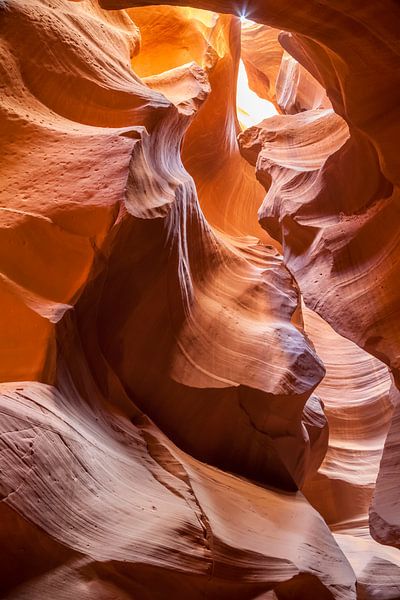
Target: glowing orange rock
x,y
137,284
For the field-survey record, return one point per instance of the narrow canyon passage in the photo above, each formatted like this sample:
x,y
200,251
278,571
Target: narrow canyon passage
x,y
199,298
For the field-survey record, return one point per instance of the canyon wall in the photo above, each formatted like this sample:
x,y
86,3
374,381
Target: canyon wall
x,y
199,322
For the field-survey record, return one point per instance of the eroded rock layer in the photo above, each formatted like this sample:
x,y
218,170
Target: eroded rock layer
x,y
174,421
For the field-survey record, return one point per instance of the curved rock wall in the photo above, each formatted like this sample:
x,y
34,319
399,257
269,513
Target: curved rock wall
x,y
174,421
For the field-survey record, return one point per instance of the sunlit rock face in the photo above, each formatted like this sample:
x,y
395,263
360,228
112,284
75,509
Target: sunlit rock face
x,y
199,301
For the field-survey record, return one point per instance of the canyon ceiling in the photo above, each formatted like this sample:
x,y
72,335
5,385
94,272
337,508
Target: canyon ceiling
x,y
199,308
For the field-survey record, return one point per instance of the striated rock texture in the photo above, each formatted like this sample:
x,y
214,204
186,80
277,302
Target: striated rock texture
x,y
198,381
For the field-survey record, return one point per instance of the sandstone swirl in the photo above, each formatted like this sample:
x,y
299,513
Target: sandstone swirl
x,y
166,395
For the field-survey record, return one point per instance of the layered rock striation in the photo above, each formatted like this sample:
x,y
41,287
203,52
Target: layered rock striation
x,y
193,405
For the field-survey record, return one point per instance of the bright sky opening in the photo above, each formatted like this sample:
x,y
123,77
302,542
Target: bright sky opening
x,y
251,109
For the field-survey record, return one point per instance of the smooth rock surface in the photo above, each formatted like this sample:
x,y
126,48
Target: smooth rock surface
x,y
197,380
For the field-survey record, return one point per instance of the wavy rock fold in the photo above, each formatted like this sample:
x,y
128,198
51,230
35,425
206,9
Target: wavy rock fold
x,y
199,321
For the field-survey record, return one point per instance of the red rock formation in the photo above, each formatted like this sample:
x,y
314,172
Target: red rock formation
x,y
262,56
165,395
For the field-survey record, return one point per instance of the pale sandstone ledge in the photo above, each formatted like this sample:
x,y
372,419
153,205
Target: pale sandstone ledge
x,y
175,423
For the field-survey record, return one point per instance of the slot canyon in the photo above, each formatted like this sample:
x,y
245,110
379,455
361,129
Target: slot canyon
x,y
200,300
